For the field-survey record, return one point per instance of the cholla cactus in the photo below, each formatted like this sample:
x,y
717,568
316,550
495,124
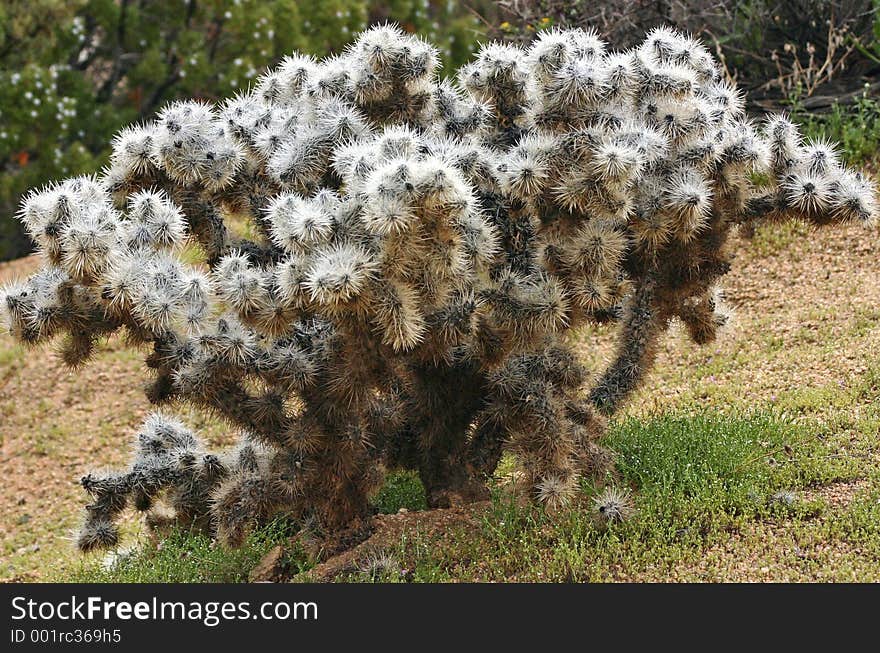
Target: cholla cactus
x,y
424,247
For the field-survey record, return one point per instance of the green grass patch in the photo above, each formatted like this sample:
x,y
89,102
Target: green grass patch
x,y
860,525
773,237
696,455
184,557
855,127
697,479
401,489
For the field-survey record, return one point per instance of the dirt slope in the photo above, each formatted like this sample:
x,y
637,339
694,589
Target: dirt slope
x,y
807,320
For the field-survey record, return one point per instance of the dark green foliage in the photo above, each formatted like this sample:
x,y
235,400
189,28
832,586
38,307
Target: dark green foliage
x,y
72,73
855,126
400,490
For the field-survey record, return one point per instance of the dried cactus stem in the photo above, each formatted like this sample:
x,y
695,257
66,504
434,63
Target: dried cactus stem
x,y
445,400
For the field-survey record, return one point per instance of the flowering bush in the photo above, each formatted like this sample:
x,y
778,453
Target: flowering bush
x,y
73,73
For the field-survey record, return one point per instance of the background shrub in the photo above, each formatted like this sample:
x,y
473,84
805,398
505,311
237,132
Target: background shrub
x,y
73,72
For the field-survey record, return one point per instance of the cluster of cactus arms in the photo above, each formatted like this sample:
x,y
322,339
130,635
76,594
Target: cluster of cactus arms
x,y
422,250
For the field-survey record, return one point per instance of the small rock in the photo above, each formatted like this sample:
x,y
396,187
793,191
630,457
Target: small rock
x,y
402,511
270,568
